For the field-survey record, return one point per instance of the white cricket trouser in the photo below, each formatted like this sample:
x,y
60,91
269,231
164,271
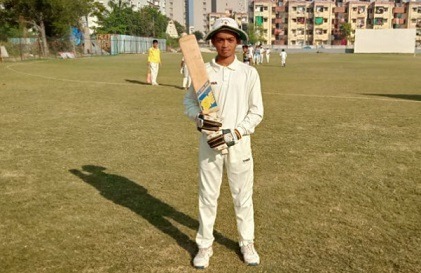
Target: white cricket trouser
x,y
186,77
154,72
186,82
283,60
267,58
239,165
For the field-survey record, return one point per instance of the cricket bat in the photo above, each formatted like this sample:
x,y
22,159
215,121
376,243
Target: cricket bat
x,y
197,70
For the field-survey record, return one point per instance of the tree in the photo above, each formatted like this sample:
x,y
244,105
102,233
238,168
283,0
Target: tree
x,y
122,19
47,17
180,28
346,29
255,34
198,34
118,19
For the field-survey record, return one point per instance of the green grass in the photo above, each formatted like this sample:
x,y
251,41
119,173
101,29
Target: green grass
x,y
98,171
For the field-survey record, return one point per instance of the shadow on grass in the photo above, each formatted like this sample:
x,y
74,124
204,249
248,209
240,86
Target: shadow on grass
x,y
398,96
161,84
129,194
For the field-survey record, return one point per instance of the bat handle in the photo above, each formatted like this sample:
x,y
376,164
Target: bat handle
x,y
224,151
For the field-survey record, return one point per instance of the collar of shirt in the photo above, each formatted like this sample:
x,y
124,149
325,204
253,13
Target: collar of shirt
x,y
233,66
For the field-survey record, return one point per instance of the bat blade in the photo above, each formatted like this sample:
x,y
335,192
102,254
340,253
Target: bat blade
x,y
197,70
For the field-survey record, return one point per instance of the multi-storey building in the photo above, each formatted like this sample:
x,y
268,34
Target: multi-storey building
x,y
177,11
300,22
380,15
322,24
399,16
280,25
414,19
358,16
340,17
262,19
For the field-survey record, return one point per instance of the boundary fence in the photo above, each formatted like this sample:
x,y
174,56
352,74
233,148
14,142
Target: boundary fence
x,y
105,44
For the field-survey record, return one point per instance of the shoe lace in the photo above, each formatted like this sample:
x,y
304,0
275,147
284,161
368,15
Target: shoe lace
x,y
203,252
249,249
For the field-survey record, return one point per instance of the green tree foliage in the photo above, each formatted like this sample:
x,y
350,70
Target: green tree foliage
x,y
199,35
180,29
255,34
122,19
345,29
52,18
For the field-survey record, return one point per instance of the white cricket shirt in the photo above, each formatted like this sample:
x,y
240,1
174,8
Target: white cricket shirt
x,y
238,94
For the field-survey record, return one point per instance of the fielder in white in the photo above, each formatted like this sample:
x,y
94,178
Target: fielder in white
x,y
267,55
238,93
283,55
186,75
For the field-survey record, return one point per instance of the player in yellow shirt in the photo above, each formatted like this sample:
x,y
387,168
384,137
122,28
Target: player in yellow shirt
x,y
154,61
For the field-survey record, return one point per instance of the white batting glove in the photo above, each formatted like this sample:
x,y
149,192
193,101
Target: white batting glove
x,y
223,139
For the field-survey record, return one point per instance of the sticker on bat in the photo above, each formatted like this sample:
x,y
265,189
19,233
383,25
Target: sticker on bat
x,y
206,97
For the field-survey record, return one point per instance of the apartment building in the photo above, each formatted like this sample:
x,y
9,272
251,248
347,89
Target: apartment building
x,y
262,19
280,25
300,22
414,18
177,11
238,6
380,15
322,23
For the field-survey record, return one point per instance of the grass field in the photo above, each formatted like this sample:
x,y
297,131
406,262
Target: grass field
x,y
98,171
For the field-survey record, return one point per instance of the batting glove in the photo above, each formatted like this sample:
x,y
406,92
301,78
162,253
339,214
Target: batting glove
x,y
223,139
208,123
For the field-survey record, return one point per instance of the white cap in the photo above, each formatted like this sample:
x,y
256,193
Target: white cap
x,y
227,24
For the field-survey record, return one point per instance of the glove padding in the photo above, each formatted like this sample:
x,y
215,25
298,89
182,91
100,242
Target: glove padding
x,y
208,123
222,139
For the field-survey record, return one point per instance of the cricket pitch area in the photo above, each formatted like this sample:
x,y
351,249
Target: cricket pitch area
x,y
98,170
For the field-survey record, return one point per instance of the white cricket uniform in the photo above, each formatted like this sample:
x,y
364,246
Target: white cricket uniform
x,y
238,93
267,55
283,55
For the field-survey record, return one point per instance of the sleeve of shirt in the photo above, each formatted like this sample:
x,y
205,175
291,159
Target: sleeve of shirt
x,y
255,112
191,105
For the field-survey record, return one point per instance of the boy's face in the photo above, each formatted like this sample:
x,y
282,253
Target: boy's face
x,y
225,43
155,45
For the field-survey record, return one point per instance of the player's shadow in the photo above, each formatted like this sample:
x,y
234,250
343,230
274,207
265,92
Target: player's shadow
x,y
137,82
161,84
124,192
398,96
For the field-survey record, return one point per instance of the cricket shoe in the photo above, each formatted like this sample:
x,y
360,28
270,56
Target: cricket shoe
x,y
201,260
250,255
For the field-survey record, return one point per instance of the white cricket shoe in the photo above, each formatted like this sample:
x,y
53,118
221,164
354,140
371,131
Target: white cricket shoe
x,y
250,255
201,260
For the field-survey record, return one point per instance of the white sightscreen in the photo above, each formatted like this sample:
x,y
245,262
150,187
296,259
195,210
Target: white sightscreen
x,y
384,41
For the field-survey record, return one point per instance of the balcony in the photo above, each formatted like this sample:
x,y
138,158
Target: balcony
x,y
399,10
398,21
339,10
279,32
280,9
280,42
